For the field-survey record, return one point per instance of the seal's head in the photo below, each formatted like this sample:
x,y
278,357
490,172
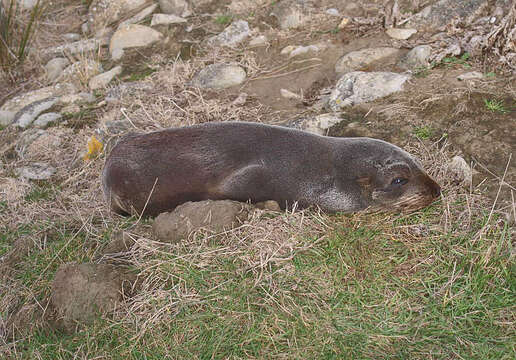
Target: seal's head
x,y
399,182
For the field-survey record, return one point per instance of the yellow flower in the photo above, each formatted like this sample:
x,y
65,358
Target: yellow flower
x,y
94,148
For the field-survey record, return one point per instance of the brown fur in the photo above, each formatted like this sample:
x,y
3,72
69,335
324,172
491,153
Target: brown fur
x,y
155,172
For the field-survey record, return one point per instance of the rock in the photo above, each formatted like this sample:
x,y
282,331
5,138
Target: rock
x,y
44,120
101,80
36,171
258,41
233,35
332,12
357,87
106,12
289,94
288,49
175,7
139,17
166,19
75,48
460,171
130,36
6,117
358,59
214,216
241,99
81,291
28,4
29,113
320,124
71,37
270,205
400,34
470,76
442,12
290,14
302,50
219,76
17,103
85,97
55,67
417,57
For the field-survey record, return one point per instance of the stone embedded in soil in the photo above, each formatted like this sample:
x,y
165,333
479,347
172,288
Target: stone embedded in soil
x,y
258,41
131,36
79,97
470,76
332,12
81,291
103,12
55,67
75,48
18,102
358,59
442,12
400,34
47,119
71,36
166,19
270,205
416,58
6,117
233,35
359,87
175,7
302,50
29,113
290,14
36,171
210,215
320,124
460,171
102,80
139,17
287,94
219,76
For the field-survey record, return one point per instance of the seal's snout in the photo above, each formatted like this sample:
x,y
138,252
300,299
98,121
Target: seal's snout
x,y
433,188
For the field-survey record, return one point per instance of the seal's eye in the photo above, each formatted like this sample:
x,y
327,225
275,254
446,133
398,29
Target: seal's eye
x,y
399,181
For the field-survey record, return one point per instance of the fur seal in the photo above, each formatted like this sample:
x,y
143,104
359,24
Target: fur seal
x,y
155,172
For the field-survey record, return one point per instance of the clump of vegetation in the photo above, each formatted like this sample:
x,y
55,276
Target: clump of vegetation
x,y
454,60
223,19
15,33
423,132
495,105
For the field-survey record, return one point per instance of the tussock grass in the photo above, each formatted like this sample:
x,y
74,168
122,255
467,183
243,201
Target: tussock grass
x,y
16,32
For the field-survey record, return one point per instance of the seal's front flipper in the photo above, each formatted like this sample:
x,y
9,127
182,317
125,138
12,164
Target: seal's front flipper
x,y
237,185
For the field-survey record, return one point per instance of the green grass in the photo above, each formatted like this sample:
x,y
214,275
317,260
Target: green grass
x,y
16,34
454,60
223,19
495,106
423,132
364,292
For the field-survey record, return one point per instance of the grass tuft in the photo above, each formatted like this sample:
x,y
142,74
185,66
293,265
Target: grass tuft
x,y
16,32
